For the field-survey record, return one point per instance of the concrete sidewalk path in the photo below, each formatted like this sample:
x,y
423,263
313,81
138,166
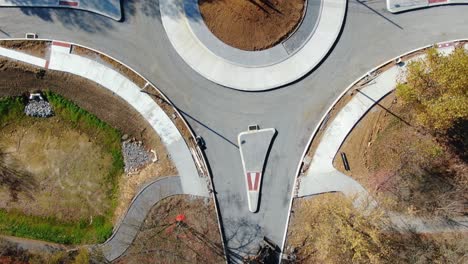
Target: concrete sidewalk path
x,y
62,60
404,223
130,225
321,176
177,24
108,8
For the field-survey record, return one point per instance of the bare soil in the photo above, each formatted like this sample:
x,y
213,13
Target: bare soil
x,y
64,170
38,48
252,24
163,239
18,79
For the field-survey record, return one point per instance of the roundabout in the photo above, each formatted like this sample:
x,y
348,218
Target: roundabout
x,y
252,70
369,36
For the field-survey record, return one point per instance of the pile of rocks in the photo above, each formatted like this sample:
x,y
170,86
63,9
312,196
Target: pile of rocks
x,y
135,155
38,108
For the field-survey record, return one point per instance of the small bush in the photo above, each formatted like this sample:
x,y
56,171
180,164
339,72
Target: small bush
x,y
11,108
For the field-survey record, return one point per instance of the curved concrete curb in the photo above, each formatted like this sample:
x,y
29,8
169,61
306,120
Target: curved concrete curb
x,y
223,72
62,60
130,225
107,8
197,154
396,6
321,176
447,45
261,58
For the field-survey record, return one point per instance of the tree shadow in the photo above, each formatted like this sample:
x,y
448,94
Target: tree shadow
x,y
152,8
16,180
240,236
457,139
69,18
363,3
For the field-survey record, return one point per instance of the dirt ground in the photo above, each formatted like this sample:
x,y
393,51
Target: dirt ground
x,y
252,24
162,239
18,78
64,169
357,145
38,48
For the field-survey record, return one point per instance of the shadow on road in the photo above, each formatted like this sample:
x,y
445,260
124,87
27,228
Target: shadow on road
x,y
242,234
207,127
363,2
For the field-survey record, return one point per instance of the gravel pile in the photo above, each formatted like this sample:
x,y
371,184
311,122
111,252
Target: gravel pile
x,y
38,108
135,155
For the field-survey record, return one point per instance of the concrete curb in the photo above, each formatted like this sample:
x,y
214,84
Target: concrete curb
x,y
199,159
396,6
228,74
108,8
324,119
113,80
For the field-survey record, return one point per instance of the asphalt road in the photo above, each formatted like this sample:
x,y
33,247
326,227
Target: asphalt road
x,y
370,36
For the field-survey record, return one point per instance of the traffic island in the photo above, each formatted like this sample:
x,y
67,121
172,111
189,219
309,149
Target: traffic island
x,y
254,146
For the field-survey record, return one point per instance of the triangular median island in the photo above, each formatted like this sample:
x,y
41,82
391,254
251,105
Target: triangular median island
x,y
254,146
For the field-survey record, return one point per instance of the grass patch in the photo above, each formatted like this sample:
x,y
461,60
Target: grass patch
x,y
11,108
82,230
93,126
50,229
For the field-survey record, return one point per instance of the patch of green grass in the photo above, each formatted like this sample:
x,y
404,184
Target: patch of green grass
x,y
49,228
108,136
11,108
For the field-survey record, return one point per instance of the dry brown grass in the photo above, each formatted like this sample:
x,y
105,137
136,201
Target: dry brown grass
x,y
162,240
68,169
38,48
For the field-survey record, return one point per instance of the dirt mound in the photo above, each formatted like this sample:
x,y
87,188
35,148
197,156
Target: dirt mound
x,y
252,24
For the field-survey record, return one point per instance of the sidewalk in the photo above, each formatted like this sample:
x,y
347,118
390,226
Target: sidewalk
x,y
237,75
61,60
129,227
321,176
108,8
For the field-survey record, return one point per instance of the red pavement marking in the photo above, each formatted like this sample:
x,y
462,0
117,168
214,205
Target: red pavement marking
x,y
249,181
257,179
255,182
63,44
437,1
46,65
68,3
